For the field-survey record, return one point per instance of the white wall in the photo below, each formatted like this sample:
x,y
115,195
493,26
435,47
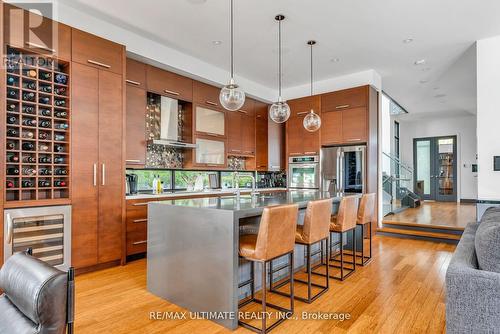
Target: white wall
x,y
488,116
464,127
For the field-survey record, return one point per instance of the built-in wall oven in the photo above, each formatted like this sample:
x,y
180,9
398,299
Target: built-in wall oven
x,y
46,230
303,172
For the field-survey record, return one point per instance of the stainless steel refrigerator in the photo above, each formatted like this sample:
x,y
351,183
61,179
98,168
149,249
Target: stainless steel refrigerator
x,y
343,169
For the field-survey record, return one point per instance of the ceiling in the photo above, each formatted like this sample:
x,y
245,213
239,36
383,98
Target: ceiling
x,y
361,35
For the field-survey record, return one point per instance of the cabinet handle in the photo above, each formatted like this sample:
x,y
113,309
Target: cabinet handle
x,y
141,204
133,161
135,83
103,174
98,63
295,153
355,139
259,116
343,106
171,92
262,166
235,150
95,174
10,229
310,152
212,103
140,220
213,165
243,111
302,113
251,152
39,46
140,242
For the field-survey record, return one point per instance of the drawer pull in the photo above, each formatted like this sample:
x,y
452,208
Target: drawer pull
x,y
140,220
135,83
310,152
39,46
261,166
295,153
235,150
355,139
211,103
132,161
302,113
141,204
98,63
343,106
171,92
249,152
243,111
140,242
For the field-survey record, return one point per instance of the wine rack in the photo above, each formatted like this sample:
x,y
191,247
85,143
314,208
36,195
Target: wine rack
x,y
37,153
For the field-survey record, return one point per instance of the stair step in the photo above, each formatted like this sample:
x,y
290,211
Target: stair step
x,y
390,223
416,233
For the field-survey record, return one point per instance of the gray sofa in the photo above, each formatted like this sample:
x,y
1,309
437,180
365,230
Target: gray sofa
x,y
472,294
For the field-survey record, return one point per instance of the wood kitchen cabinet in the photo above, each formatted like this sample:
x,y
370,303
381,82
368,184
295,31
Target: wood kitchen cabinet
x,y
206,95
136,104
241,130
169,84
299,141
18,32
261,136
136,73
98,171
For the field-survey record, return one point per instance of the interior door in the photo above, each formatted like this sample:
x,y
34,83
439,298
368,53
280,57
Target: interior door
x,y
435,167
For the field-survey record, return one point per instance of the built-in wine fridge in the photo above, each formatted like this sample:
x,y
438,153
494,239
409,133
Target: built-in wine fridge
x,y
46,230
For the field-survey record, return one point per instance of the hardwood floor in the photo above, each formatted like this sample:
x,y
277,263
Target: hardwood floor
x,y
400,291
447,214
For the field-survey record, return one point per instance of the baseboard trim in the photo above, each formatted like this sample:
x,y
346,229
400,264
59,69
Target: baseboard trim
x,y
97,267
468,200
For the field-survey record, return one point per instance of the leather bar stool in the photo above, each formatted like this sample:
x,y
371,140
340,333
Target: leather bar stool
x,y
275,239
315,230
365,216
342,223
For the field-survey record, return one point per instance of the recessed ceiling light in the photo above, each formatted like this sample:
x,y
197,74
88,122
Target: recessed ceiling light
x,y
335,60
419,62
436,88
216,42
424,81
426,69
407,40
439,96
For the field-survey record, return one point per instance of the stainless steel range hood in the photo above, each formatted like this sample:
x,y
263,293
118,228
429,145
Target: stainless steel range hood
x,y
169,125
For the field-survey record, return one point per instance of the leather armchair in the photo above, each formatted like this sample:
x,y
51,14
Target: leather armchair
x,y
37,298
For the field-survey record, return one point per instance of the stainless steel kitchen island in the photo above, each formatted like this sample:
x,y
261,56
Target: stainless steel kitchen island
x,y
193,249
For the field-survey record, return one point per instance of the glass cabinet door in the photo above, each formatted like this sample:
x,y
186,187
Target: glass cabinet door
x,y
210,121
210,151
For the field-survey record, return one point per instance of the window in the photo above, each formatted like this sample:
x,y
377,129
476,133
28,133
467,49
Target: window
x,y
186,179
145,178
245,179
396,139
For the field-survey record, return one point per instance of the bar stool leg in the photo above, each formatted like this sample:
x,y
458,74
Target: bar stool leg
x,y
342,256
309,287
354,248
291,284
252,275
264,288
362,245
327,264
271,272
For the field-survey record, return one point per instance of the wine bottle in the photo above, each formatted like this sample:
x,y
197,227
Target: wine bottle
x,y
43,183
12,158
45,76
12,171
44,171
30,73
61,113
28,171
61,79
11,120
44,124
59,137
60,171
12,94
58,148
27,146
29,85
60,90
11,107
29,122
10,145
58,160
28,109
28,96
9,184
43,147
11,80
46,89
44,112
59,183
43,135
12,133
61,126
29,159
27,184
44,160
60,103
44,99
28,134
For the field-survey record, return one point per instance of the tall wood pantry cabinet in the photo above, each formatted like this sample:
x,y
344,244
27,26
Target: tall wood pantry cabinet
x,y
97,160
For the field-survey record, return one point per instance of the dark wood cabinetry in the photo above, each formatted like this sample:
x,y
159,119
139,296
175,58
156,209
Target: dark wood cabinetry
x,y
261,136
206,95
299,140
98,166
169,84
136,73
241,130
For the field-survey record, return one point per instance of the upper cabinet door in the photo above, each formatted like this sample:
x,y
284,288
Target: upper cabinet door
x,y
136,73
300,140
210,122
331,127
136,126
169,84
345,99
27,30
354,125
261,134
97,52
234,134
206,95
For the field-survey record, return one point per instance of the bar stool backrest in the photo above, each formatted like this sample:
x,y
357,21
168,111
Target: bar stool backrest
x,y
347,214
317,220
276,231
366,208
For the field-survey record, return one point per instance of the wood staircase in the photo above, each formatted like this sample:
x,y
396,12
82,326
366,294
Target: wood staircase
x,y
420,231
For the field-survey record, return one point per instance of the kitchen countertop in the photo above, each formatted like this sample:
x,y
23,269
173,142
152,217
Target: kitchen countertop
x,y
199,193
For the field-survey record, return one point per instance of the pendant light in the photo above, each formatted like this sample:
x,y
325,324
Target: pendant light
x,y
279,111
312,121
231,96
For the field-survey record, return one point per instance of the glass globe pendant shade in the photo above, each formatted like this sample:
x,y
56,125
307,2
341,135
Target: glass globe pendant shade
x,y
231,96
312,122
279,112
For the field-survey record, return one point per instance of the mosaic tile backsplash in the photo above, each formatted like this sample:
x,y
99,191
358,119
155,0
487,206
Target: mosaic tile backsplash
x,y
159,156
